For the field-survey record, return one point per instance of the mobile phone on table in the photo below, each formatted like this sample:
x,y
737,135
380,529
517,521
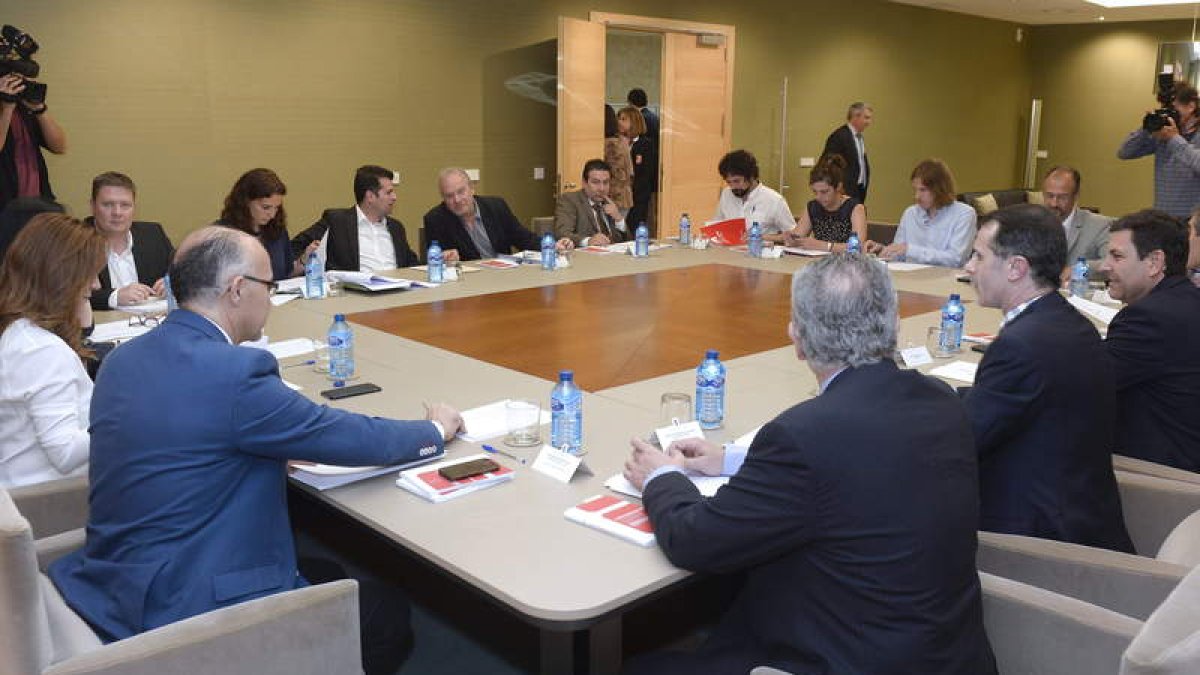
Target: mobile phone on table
x,y
475,467
353,390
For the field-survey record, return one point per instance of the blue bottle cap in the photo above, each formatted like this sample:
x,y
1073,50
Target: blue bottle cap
x,y
711,354
566,375
433,243
954,297
339,317
1082,260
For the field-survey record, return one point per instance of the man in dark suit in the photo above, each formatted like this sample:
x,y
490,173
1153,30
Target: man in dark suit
x,y
138,251
468,227
1155,340
364,237
848,142
638,99
858,540
588,217
191,438
1044,396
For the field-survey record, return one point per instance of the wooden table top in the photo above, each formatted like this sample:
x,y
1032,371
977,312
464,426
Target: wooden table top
x,y
616,330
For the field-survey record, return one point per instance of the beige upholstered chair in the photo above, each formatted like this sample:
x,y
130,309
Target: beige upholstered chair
x,y
1154,507
311,630
540,225
53,507
1132,465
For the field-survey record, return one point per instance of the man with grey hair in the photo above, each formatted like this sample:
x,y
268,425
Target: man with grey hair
x,y
1044,398
191,435
470,227
858,540
1087,232
847,141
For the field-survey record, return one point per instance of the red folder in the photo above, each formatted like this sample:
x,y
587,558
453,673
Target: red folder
x,y
726,232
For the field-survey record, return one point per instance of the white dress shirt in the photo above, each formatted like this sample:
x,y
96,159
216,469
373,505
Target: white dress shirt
x,y
375,248
44,398
761,204
122,270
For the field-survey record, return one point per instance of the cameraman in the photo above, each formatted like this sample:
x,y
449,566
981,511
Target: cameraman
x,y
25,128
1176,150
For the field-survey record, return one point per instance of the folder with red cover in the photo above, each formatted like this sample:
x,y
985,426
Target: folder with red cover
x,y
726,232
616,516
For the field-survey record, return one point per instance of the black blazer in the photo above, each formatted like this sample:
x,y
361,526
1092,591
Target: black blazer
x,y
858,539
841,142
342,245
1043,406
152,252
1155,345
502,227
644,155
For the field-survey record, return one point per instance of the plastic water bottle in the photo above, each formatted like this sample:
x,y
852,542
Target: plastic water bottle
x,y
755,242
341,349
435,264
710,391
171,305
566,414
953,316
549,254
853,245
1079,278
314,277
685,231
641,241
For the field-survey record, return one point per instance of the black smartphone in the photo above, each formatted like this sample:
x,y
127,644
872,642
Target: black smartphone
x,y
475,467
353,390
979,347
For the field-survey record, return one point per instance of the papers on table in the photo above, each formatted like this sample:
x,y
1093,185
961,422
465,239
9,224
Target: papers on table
x,y
957,370
806,252
285,349
747,438
282,299
117,330
707,485
489,421
498,264
427,483
1093,309
326,476
906,266
153,307
372,283
615,516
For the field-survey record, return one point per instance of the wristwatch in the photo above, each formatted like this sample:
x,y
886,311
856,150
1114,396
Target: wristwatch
x,y
829,247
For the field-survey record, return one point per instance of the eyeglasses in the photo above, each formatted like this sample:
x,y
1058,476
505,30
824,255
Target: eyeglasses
x,y
272,286
147,320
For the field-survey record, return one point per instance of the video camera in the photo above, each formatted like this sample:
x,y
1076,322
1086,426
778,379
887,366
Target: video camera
x,y
1156,120
16,56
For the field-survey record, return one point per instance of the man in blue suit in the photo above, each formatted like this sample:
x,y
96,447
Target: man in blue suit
x,y
191,434
1155,340
858,539
1044,397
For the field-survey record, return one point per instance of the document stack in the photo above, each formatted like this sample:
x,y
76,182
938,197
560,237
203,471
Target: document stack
x,y
427,483
615,516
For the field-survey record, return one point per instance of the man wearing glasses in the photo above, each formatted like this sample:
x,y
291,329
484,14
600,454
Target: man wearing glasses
x,y
190,439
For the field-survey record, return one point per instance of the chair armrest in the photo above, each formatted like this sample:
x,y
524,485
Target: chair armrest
x,y
53,506
308,630
1128,584
49,549
1154,507
1033,630
1134,465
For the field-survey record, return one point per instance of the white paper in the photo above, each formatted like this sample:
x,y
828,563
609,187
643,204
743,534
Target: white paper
x,y
707,485
906,266
490,421
295,285
559,465
152,307
282,299
292,386
288,348
1094,310
806,252
747,438
668,435
915,356
117,330
957,370
773,252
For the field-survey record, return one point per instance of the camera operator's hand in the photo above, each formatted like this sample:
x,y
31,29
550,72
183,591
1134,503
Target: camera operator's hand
x,y
1168,131
10,86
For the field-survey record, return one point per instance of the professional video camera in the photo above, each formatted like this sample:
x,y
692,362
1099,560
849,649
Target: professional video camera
x,y
1154,121
16,56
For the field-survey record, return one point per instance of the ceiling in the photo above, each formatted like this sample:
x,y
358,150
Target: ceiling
x,y
1036,12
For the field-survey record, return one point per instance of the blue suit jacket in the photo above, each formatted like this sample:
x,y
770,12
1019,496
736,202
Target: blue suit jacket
x,y
1155,344
1043,406
190,437
859,539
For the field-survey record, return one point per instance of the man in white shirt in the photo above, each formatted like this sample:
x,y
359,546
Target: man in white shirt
x,y
138,252
745,197
1087,232
364,237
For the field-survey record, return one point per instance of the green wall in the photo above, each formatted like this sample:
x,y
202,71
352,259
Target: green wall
x,y
184,95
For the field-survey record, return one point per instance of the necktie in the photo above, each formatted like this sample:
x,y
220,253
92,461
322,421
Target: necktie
x,y
601,219
862,158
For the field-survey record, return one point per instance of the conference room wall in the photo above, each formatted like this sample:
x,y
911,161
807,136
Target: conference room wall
x,y
187,94
1096,82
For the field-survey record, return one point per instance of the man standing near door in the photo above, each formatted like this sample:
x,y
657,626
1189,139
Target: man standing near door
x,y
848,142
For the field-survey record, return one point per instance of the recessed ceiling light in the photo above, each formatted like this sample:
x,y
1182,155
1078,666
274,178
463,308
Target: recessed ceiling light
x,y
1139,3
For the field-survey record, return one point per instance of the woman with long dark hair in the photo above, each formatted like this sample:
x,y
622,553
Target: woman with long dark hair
x,y
254,205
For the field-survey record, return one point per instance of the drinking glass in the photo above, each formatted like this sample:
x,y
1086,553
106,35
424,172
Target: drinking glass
x,y
523,418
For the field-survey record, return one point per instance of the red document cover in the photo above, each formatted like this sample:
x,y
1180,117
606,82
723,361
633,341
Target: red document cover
x,y
616,516
726,232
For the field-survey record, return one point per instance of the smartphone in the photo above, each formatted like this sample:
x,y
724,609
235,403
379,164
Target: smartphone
x,y
353,390
463,470
977,347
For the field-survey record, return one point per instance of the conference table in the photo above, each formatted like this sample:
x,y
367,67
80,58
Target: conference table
x,y
632,329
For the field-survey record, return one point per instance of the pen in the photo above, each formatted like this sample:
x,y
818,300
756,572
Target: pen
x,y
488,448
309,362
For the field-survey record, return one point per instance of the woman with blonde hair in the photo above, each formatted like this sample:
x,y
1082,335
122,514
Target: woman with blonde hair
x,y
616,155
46,282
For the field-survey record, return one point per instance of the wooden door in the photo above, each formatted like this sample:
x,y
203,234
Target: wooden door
x,y
696,127
580,99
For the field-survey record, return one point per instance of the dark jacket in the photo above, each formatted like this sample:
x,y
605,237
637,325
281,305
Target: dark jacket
x,y
503,229
152,252
841,142
342,244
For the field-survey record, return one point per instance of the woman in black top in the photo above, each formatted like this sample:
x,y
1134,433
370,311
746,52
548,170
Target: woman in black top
x,y
827,221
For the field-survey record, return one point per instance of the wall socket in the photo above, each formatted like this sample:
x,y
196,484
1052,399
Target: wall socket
x,y
806,162
539,173
473,174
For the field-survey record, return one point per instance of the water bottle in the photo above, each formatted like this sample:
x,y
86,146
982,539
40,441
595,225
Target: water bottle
x,y
685,231
1079,278
549,254
341,349
566,414
641,241
853,245
754,241
435,263
314,277
953,315
171,305
710,391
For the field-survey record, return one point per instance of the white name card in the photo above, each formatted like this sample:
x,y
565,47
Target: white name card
x,y
915,356
559,465
678,432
